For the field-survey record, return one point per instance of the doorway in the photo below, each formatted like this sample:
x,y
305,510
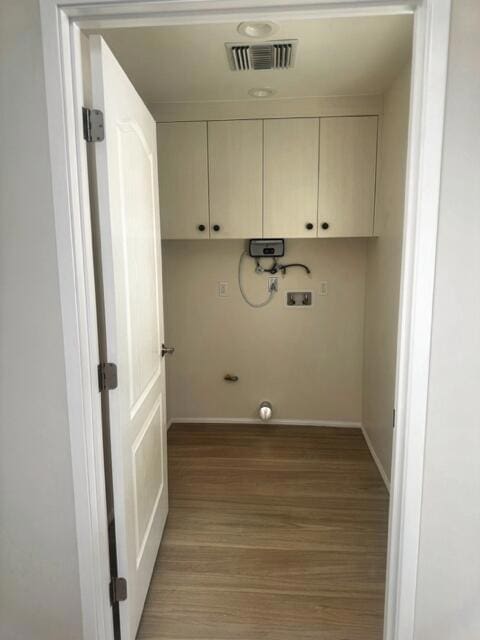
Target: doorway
x,y
407,234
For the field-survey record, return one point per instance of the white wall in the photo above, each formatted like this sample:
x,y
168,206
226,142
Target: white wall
x,y
39,583
383,273
448,597
307,362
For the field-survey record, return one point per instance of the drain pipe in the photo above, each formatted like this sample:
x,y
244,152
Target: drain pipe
x,y
265,411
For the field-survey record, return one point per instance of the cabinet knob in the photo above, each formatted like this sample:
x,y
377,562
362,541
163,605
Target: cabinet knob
x,y
201,227
216,227
325,225
309,226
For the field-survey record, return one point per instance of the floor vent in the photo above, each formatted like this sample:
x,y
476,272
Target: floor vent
x,y
261,56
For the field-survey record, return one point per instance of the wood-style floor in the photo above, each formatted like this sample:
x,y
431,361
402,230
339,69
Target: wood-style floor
x,y
274,533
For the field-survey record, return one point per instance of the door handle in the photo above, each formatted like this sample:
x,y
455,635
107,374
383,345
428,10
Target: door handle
x,y
167,350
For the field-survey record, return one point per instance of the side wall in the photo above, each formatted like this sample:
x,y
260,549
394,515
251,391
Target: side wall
x,y
383,273
449,558
306,361
39,582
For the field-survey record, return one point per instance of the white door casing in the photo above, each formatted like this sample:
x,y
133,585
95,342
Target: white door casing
x,y
61,20
129,222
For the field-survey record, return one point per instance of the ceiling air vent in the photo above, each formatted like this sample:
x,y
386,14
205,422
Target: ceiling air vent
x,y
265,55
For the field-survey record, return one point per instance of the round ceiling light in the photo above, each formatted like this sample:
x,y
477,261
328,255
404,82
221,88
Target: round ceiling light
x,y
261,92
257,29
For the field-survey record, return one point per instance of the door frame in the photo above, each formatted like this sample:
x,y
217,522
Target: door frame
x,y
61,21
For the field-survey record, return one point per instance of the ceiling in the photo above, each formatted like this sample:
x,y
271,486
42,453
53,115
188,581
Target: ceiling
x,y
188,63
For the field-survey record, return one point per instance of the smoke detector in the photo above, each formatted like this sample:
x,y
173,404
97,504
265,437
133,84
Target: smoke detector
x,y
278,54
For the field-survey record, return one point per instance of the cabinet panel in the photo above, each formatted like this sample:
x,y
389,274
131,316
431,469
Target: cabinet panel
x,y
346,190
235,175
183,179
290,177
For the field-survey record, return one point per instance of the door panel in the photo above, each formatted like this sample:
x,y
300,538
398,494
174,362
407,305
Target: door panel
x,y
139,231
346,190
235,174
129,224
183,177
291,178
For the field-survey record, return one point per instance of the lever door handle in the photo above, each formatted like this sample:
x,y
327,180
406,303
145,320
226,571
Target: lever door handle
x,y
167,350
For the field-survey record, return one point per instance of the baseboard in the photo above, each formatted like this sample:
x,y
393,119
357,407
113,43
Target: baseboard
x,y
275,421
376,459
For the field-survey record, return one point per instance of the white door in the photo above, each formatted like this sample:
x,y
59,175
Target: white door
x,y
128,212
348,163
291,178
235,158
183,175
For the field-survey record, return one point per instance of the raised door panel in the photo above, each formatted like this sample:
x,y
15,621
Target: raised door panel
x,y
290,177
346,190
183,180
235,176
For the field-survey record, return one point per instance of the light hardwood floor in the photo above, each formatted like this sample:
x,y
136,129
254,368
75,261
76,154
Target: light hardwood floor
x,y
274,533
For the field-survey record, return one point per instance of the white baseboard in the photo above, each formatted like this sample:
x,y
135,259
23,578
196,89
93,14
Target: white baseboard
x,y
376,459
277,421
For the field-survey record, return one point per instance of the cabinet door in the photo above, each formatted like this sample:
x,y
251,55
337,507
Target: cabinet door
x,y
183,179
346,189
235,177
291,177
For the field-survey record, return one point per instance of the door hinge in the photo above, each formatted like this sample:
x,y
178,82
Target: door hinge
x,y
93,126
118,590
393,419
107,376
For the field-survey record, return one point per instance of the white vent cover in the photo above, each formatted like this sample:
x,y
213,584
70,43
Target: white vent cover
x,y
265,55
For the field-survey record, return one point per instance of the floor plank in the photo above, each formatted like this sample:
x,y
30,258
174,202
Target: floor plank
x,y
274,533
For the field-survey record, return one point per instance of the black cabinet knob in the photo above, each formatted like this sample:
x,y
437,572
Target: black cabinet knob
x,y
201,227
325,225
309,226
216,227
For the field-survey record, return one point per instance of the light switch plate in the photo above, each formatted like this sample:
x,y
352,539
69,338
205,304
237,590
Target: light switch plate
x,y
323,289
222,289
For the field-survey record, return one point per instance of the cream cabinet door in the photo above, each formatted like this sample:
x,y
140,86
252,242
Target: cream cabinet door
x,y
183,179
235,178
290,177
346,189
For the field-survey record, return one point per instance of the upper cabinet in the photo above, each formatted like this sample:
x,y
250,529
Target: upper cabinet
x,y
183,179
235,178
277,178
290,177
347,168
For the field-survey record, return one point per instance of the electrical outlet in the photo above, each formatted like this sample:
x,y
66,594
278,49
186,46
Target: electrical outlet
x,y
323,291
272,284
223,290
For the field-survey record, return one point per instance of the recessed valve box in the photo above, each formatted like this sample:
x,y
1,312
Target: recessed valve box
x,y
267,248
299,299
